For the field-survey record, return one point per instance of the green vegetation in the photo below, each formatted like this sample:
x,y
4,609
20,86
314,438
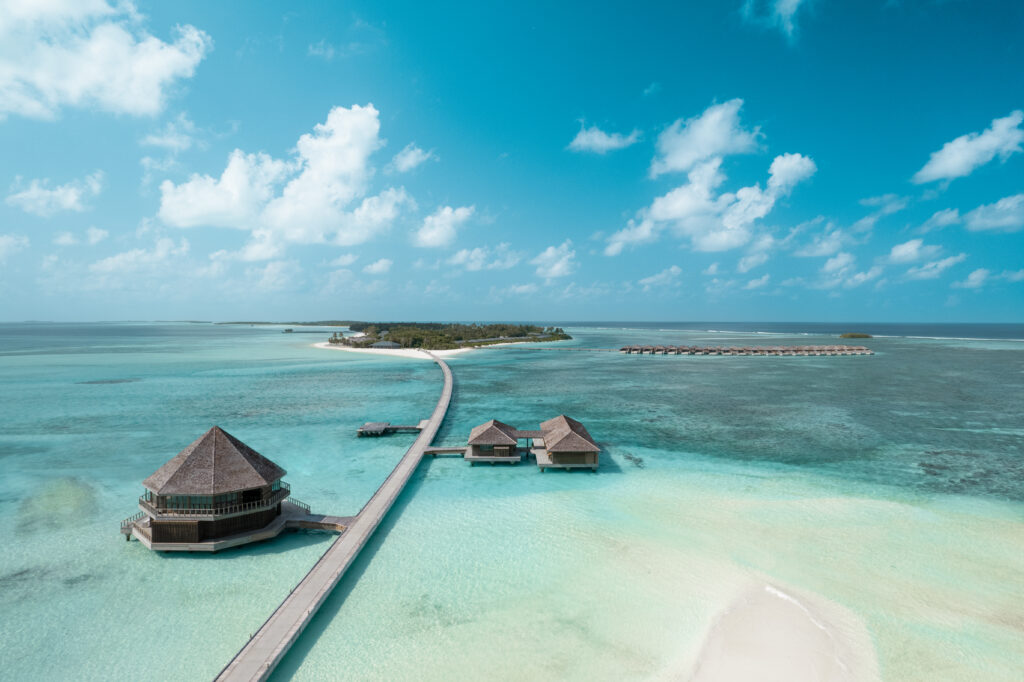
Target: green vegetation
x,y
855,335
443,336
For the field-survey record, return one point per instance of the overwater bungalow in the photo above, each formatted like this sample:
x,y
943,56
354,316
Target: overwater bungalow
x,y
217,492
493,441
567,445
560,443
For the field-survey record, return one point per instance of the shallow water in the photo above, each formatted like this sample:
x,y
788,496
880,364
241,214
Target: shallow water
x,y
892,484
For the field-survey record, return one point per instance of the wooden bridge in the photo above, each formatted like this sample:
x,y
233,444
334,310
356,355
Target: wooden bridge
x,y
267,647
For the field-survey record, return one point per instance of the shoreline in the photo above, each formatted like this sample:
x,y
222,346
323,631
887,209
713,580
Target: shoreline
x,y
413,353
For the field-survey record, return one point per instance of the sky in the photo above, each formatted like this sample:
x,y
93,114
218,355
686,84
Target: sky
x,y
742,160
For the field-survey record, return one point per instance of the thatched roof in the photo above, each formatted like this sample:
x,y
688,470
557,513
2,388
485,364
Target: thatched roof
x,y
493,432
216,463
565,434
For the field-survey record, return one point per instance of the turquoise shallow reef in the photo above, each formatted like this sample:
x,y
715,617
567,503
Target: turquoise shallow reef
x,y
892,485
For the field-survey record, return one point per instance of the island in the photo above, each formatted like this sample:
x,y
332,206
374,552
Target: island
x,y
443,336
855,335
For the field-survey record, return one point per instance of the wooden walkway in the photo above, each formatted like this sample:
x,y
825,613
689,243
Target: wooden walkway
x,y
267,647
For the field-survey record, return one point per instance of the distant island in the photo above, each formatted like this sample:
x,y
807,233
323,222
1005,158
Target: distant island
x,y
319,323
443,336
855,335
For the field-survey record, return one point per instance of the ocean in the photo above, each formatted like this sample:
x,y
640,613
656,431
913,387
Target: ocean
x,y
892,485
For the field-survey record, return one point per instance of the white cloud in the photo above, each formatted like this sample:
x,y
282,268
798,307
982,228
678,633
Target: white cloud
x,y
330,171
787,171
38,198
410,157
95,235
667,277
963,155
838,263
593,139
911,251
711,269
839,271
234,200
829,242
779,14
439,228
483,258
136,260
10,244
322,49
379,267
1013,276
858,278
975,280
373,215
333,164
176,136
941,219
344,260
93,54
935,268
751,261
712,222
277,275
715,133
1006,215
886,204
652,89
758,283
513,290
556,261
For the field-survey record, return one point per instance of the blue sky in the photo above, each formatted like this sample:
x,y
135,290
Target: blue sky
x,y
772,160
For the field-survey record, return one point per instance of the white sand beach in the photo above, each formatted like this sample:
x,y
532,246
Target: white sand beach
x,y
769,634
396,352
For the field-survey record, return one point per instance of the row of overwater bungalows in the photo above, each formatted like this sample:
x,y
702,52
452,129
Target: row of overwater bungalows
x,y
747,350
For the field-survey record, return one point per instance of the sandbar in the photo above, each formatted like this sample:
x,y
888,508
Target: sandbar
x,y
771,634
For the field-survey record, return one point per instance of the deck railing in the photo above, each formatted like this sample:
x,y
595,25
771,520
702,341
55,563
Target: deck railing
x,y
255,505
126,525
300,504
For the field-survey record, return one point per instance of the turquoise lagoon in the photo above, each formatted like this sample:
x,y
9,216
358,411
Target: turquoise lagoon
x,y
892,485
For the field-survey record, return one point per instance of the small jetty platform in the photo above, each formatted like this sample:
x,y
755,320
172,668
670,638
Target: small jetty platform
x,y
264,650
776,351
375,429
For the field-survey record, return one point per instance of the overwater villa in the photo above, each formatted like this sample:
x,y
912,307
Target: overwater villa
x,y
216,493
560,443
567,445
787,351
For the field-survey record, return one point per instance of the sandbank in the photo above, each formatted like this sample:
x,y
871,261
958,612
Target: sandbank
x,y
771,634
